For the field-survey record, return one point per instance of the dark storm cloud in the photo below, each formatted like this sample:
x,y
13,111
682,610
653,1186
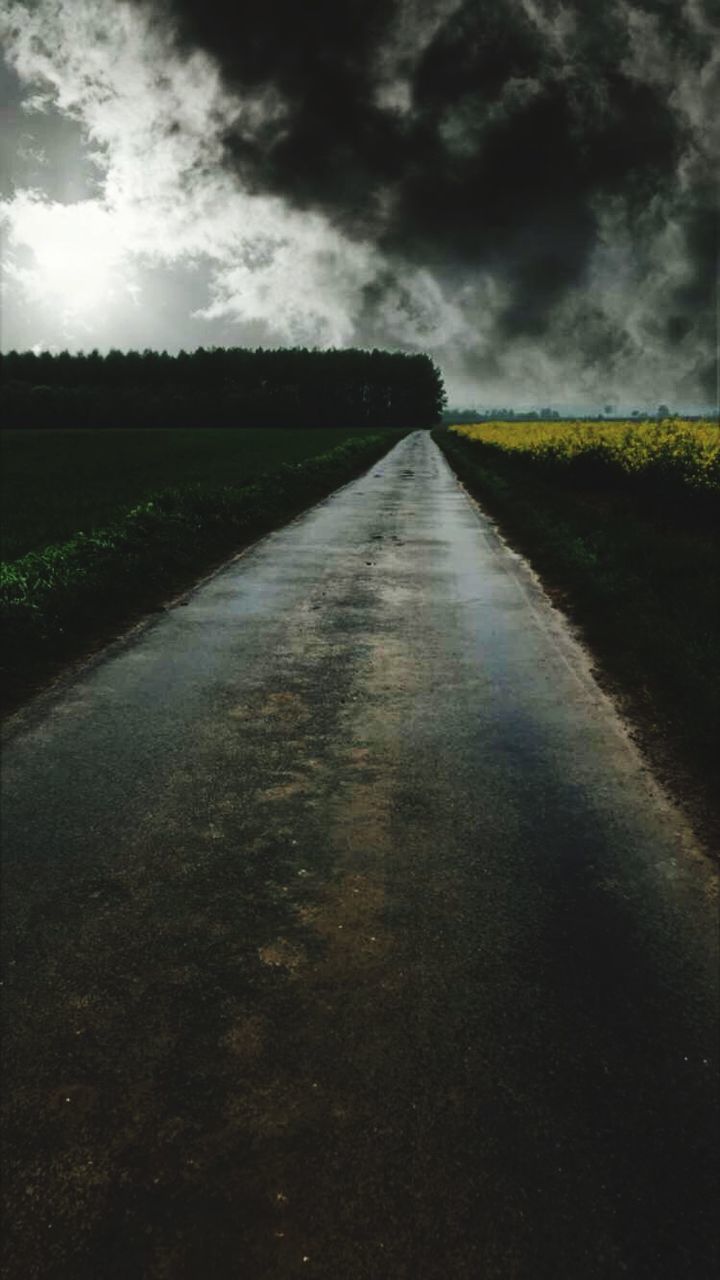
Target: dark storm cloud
x,y
486,134
524,188
328,146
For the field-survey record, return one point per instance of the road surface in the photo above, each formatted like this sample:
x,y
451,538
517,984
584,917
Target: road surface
x,y
347,936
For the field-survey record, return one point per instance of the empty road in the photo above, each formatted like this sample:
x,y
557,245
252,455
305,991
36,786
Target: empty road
x,y
346,935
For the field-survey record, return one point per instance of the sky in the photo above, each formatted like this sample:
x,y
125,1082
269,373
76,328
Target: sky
x,y
525,189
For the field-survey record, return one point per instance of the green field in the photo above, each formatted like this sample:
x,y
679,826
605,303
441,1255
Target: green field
x,y
676,459
54,484
102,527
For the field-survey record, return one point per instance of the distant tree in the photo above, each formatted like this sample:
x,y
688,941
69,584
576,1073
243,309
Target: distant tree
x,y
226,387
663,411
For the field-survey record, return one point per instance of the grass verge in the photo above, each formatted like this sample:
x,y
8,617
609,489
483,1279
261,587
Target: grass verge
x,y
55,483
642,588
60,602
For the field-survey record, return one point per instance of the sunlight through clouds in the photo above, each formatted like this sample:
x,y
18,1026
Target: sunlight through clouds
x,y
78,255
165,197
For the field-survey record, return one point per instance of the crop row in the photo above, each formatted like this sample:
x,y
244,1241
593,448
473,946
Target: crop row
x,y
676,454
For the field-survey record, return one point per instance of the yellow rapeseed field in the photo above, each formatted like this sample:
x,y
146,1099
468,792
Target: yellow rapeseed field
x,y
682,452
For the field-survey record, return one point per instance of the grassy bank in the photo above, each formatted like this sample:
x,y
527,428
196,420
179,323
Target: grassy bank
x,y
54,484
60,599
640,579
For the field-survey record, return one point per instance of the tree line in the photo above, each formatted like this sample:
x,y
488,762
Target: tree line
x,y
232,387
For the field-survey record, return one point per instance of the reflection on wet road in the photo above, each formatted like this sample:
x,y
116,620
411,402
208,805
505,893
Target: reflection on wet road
x,y
346,936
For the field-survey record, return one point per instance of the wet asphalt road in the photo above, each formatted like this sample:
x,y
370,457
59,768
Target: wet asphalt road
x,y
346,936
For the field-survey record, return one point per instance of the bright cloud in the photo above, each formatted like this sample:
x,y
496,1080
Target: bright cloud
x,y
154,124
78,254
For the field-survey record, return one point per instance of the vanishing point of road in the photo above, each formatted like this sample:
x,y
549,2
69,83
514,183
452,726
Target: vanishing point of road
x,y
347,936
